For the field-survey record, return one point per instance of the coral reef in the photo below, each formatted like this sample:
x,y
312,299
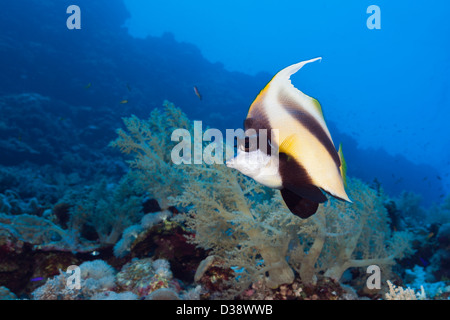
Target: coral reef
x,y
325,289
399,293
204,231
5,294
96,276
145,276
39,232
248,227
358,235
418,279
107,208
139,279
67,198
160,236
150,148
149,141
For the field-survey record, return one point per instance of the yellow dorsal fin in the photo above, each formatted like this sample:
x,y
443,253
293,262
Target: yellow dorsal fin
x,y
261,94
288,145
343,167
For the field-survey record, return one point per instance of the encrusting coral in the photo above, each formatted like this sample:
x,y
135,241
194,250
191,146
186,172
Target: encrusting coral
x,y
139,279
247,226
43,234
131,234
95,276
399,293
107,208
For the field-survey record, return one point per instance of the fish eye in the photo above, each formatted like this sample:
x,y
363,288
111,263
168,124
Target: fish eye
x,y
247,144
251,143
242,143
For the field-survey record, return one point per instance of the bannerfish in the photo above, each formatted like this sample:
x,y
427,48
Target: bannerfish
x,y
197,93
298,156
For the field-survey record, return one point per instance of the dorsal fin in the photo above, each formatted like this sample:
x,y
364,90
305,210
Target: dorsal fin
x,y
286,91
287,72
283,80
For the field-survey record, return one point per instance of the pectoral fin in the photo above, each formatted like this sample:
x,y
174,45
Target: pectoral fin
x,y
343,166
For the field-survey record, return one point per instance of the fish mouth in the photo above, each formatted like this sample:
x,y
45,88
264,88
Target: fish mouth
x,y
230,163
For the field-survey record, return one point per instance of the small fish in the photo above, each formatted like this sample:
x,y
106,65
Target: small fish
x,y
197,93
424,261
438,177
95,253
430,235
88,85
128,87
37,279
123,102
307,161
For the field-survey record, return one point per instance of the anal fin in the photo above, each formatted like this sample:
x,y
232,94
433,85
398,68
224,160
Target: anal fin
x,y
299,206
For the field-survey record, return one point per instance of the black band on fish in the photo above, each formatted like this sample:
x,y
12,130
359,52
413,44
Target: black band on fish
x,y
310,123
296,179
264,134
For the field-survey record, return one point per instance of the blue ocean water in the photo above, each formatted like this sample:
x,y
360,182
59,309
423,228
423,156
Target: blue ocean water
x,y
68,78
387,88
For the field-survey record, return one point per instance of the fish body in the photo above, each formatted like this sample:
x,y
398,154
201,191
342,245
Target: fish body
x,y
197,93
303,160
37,279
424,262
